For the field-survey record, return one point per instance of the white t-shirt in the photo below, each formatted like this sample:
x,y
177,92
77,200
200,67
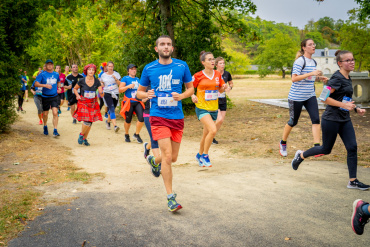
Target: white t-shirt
x,y
110,84
304,89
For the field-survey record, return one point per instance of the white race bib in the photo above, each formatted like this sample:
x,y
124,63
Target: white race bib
x,y
211,95
222,95
89,94
166,101
112,87
51,81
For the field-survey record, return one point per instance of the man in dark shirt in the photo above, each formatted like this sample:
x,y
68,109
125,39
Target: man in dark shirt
x,y
71,81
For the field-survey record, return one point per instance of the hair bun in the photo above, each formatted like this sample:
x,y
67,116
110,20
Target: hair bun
x,y
201,53
336,53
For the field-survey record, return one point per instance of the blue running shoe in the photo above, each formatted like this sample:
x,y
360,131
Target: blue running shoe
x,y
55,133
155,169
106,115
46,132
59,111
86,143
80,139
173,206
197,157
205,160
69,108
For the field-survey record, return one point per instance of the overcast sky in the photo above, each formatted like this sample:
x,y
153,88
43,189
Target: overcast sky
x,y
299,12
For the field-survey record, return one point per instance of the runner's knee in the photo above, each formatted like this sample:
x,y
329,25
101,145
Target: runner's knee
x,y
292,123
88,124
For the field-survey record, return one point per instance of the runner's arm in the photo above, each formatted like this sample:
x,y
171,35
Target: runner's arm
x,y
296,77
188,92
75,91
141,92
100,90
123,88
38,84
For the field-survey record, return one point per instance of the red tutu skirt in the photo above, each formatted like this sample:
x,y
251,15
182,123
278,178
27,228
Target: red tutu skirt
x,y
88,110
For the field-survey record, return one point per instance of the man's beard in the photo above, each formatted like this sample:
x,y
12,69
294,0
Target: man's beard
x,y
165,56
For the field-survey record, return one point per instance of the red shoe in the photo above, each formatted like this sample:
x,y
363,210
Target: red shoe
x,y
40,123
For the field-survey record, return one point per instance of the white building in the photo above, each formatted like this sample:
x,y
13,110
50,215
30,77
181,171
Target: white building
x,y
326,61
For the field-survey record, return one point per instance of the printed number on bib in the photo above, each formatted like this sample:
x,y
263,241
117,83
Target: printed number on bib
x,y
166,100
222,95
89,94
112,87
211,95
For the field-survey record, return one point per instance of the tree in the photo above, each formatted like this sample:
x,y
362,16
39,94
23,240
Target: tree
x,y
277,53
364,12
239,61
355,37
320,42
17,20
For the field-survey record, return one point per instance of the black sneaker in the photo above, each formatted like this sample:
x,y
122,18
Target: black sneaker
x,y
74,121
359,218
214,141
297,160
138,138
357,185
127,138
146,151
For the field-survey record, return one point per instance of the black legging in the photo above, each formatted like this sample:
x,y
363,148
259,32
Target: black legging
x,y
138,109
20,98
330,130
295,109
101,103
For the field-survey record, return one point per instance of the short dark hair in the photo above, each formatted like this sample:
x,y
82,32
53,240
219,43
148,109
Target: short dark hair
x,y
339,54
161,37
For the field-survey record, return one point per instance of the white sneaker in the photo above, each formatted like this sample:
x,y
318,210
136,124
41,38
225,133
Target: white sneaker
x,y
116,128
283,151
107,125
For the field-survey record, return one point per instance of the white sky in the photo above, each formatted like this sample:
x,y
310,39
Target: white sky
x,y
299,12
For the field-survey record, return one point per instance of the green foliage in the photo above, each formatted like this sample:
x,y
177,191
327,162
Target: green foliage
x,y
277,53
239,60
17,20
355,37
321,43
364,11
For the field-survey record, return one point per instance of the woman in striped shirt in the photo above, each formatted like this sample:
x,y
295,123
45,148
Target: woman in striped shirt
x,y
302,93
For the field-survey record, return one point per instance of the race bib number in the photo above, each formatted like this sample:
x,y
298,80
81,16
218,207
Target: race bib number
x,y
222,95
112,87
166,101
133,95
62,84
89,94
211,95
51,81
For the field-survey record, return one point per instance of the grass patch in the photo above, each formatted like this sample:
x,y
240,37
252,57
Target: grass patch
x,y
22,167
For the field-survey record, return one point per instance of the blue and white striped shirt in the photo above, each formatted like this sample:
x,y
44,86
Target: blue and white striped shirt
x,y
304,89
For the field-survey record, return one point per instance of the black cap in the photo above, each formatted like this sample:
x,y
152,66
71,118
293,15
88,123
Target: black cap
x,y
49,61
130,66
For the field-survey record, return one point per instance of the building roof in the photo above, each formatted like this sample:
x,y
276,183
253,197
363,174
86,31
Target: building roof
x,y
321,53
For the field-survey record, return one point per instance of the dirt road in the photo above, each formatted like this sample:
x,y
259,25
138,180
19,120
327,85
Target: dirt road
x,y
237,202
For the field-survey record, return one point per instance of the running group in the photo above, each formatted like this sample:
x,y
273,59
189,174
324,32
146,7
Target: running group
x,y
156,98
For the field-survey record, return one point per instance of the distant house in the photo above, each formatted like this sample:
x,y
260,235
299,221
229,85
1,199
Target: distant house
x,y
326,61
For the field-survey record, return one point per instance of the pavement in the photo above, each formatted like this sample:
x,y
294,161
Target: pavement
x,y
238,202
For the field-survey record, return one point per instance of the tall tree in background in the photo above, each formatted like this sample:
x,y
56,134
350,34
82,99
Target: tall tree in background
x,y
355,37
277,53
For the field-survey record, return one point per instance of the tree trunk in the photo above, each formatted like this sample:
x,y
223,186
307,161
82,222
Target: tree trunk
x,y
166,21
283,73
